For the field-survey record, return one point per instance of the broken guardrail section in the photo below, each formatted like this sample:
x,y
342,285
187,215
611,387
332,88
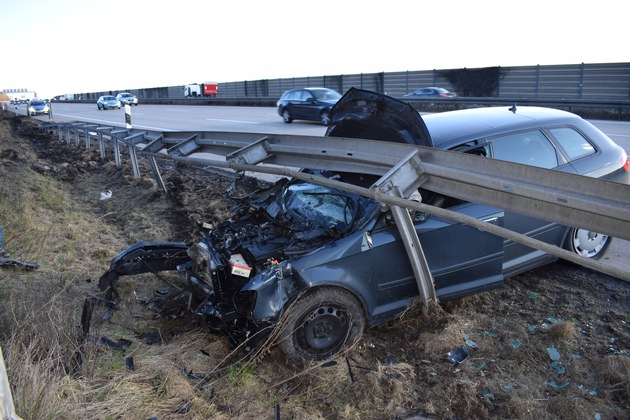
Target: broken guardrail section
x,y
589,203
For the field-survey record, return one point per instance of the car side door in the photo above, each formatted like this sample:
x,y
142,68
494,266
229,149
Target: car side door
x,y
533,148
300,104
463,260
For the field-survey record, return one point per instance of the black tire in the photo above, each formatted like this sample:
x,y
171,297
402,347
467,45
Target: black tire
x,y
324,117
286,116
586,243
320,325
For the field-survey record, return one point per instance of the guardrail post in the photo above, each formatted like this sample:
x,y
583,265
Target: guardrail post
x,y
156,173
87,139
76,136
101,144
400,182
116,152
134,160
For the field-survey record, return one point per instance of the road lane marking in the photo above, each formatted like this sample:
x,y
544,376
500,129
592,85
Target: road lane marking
x,y
232,121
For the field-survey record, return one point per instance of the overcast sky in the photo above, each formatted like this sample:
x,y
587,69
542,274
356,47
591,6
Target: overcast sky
x,y
70,46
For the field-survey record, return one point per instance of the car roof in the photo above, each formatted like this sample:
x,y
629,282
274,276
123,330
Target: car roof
x,y
449,128
307,88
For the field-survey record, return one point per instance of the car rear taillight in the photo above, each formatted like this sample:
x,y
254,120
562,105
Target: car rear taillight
x,y
626,166
443,95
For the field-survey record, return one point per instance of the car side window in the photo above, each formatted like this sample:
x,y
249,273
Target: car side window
x,y
572,142
527,147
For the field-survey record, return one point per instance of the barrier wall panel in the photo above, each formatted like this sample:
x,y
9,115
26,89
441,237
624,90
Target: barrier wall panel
x,y
571,81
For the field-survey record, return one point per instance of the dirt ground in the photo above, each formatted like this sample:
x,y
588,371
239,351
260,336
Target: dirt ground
x,y
552,343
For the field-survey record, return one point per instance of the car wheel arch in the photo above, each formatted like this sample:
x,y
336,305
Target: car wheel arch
x,y
286,115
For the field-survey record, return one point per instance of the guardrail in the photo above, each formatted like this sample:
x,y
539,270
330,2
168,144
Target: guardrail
x,y
549,195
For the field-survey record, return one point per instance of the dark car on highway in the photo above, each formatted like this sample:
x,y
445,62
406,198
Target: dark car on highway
x,y
312,104
435,92
318,264
107,102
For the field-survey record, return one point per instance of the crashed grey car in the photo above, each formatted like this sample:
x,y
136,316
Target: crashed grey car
x,y
316,265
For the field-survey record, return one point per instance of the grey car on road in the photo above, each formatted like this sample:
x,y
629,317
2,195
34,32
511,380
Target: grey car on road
x,y
107,102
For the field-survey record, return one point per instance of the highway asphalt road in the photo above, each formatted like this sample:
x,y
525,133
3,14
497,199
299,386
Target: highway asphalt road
x,y
263,120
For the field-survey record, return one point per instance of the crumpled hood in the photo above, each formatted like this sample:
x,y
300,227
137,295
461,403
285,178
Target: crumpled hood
x,y
374,116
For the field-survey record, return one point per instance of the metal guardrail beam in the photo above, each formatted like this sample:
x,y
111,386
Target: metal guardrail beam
x,y
588,203
563,198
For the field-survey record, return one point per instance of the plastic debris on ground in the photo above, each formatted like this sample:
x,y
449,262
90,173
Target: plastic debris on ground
x,y
458,355
553,353
469,342
106,195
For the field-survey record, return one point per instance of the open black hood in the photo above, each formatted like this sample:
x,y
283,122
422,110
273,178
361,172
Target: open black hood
x,y
374,116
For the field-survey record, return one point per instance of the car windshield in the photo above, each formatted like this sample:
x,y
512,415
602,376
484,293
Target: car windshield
x,y
319,204
109,98
125,95
325,94
37,103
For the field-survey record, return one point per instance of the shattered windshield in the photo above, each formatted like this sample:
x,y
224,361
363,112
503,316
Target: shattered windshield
x,y
319,204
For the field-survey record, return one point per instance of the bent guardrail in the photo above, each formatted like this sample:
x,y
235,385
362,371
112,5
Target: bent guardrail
x,y
589,203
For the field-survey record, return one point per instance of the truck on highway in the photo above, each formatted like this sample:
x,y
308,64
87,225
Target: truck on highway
x,y
195,90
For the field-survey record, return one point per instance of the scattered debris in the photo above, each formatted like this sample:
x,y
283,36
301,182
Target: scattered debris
x,y
458,355
129,363
6,261
19,264
516,344
121,344
554,354
557,385
106,195
469,342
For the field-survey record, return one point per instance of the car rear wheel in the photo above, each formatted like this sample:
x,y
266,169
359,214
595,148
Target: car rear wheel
x,y
321,324
586,243
324,117
286,116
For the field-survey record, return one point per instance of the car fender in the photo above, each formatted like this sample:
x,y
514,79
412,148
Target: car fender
x,y
281,284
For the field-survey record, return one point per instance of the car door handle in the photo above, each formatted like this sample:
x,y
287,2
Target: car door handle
x,y
493,220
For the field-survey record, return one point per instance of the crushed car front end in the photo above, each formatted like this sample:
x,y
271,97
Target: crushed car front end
x,y
237,276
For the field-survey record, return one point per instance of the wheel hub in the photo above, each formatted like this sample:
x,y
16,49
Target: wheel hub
x,y
588,243
324,328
